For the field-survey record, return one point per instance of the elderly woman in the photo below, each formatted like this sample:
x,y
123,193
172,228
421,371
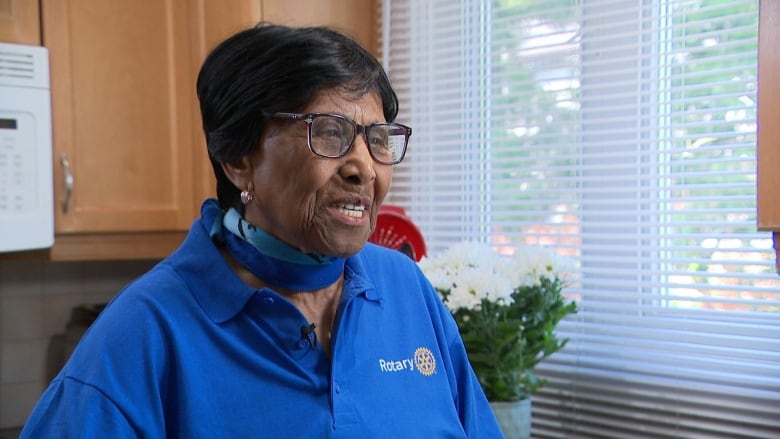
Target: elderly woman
x,y
275,318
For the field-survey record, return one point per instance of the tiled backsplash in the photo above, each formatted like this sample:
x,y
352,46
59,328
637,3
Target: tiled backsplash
x,y
36,300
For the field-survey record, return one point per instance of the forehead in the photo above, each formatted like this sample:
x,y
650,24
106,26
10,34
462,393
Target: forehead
x,y
362,108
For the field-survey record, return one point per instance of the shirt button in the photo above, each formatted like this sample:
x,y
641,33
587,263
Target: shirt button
x,y
268,300
302,344
337,388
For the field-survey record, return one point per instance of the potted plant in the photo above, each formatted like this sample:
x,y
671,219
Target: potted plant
x,y
507,308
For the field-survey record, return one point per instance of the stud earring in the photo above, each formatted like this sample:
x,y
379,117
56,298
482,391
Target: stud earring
x,y
246,197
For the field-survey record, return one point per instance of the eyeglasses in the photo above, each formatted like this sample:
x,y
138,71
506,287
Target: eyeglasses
x,y
332,136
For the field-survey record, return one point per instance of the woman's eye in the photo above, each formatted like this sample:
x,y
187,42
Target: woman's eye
x,y
377,137
329,130
379,141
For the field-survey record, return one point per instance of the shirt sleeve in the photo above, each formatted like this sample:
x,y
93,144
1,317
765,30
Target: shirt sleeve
x,y
476,414
60,413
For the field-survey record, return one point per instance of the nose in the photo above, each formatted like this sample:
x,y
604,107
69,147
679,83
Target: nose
x,y
359,165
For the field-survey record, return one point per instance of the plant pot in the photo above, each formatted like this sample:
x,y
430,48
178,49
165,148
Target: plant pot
x,y
514,417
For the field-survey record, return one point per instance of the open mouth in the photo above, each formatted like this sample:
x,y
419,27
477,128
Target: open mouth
x,y
353,210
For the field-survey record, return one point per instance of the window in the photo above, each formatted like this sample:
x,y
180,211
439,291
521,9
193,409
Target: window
x,y
622,133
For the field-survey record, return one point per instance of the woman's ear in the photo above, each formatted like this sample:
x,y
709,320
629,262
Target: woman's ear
x,y
239,172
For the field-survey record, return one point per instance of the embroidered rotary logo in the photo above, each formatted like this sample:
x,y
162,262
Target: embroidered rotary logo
x,y
425,361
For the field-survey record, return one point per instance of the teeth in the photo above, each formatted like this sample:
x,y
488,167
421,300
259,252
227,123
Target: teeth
x,y
353,210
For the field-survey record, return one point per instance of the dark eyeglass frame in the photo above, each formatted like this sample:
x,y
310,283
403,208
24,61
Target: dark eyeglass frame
x,y
358,129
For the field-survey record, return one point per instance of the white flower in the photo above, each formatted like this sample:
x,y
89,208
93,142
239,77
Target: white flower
x,y
472,271
531,262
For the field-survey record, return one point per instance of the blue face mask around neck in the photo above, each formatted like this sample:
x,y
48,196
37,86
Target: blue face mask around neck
x,y
274,261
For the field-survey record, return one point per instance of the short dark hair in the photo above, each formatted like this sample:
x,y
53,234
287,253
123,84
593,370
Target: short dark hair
x,y
272,68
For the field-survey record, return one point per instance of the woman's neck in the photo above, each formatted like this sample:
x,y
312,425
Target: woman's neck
x,y
318,306
274,261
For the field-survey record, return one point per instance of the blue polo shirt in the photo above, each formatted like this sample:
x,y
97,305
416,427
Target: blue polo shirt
x,y
189,350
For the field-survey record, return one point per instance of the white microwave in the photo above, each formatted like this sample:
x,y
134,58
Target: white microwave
x,y
26,188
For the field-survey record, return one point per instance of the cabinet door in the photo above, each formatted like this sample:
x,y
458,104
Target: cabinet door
x,y
214,22
354,17
19,22
125,112
123,98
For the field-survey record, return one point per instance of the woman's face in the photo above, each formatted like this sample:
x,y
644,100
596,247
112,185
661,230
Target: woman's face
x,y
316,204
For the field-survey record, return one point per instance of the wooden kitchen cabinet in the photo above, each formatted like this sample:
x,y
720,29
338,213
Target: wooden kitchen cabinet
x,y
130,164
122,86
356,18
768,126
20,22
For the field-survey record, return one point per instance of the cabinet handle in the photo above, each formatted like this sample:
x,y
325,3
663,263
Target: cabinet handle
x,y
68,176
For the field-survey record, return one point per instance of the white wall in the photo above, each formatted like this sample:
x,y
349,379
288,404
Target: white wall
x,y
36,299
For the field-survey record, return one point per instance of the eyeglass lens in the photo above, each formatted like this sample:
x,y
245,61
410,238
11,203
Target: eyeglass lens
x,y
332,136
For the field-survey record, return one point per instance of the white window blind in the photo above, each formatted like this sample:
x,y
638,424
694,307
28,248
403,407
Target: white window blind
x,y
621,133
